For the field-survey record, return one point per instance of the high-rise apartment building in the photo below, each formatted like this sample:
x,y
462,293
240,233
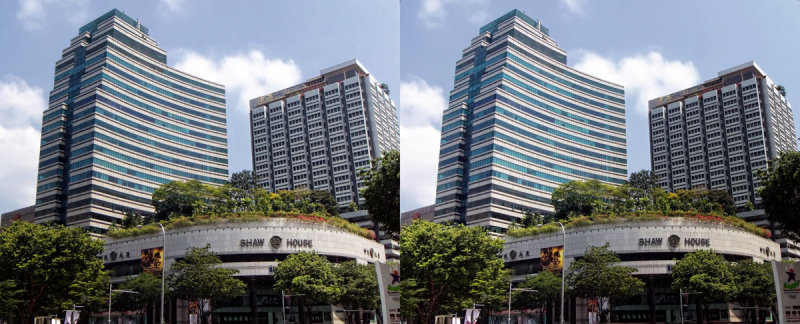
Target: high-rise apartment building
x,y
318,134
120,123
521,122
717,135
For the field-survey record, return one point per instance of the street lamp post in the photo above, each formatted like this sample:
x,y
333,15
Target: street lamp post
x,y
122,291
163,266
509,297
563,267
163,263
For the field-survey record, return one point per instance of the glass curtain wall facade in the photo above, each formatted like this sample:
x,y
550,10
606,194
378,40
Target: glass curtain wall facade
x,y
319,134
521,122
120,123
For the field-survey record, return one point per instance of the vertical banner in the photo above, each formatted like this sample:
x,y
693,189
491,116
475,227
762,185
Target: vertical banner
x,y
468,317
475,314
787,287
592,309
194,311
72,316
552,258
389,286
153,260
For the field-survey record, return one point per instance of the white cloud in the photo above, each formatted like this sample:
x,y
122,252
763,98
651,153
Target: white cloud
x,y
433,13
20,125
33,13
645,76
421,104
421,107
479,17
174,6
574,6
245,75
22,104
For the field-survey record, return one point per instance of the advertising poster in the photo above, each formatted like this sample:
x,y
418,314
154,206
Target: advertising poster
x,y
552,258
72,317
389,280
592,310
153,260
787,287
194,311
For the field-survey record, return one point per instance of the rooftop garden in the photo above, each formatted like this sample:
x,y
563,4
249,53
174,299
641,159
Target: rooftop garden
x,y
240,217
644,216
583,203
181,204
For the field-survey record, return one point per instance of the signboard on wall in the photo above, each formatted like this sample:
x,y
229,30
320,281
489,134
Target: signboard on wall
x,y
389,281
787,287
552,258
153,260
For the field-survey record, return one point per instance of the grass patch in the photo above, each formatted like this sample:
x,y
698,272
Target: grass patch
x,y
242,217
644,216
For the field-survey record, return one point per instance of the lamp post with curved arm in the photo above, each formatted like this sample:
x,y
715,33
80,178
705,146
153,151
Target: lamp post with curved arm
x,y
563,267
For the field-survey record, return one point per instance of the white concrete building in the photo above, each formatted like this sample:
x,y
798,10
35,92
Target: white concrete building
x,y
652,248
318,134
719,134
254,249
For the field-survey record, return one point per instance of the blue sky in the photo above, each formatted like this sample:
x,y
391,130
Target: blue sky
x,y
653,48
253,47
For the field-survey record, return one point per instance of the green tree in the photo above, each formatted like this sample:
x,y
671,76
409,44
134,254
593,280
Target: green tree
x,y
359,288
9,299
382,191
446,269
578,197
781,90
178,198
531,218
646,180
706,273
723,199
548,291
755,288
52,268
780,193
597,275
199,276
245,180
132,220
148,293
326,200
311,275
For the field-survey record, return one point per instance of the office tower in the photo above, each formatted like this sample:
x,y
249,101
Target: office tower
x,y
717,135
317,135
120,123
521,122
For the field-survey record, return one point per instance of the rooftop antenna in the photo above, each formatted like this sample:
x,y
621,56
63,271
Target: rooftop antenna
x,y
138,24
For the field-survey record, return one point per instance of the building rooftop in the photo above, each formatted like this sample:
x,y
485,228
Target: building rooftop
x,y
725,77
92,26
326,76
492,26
